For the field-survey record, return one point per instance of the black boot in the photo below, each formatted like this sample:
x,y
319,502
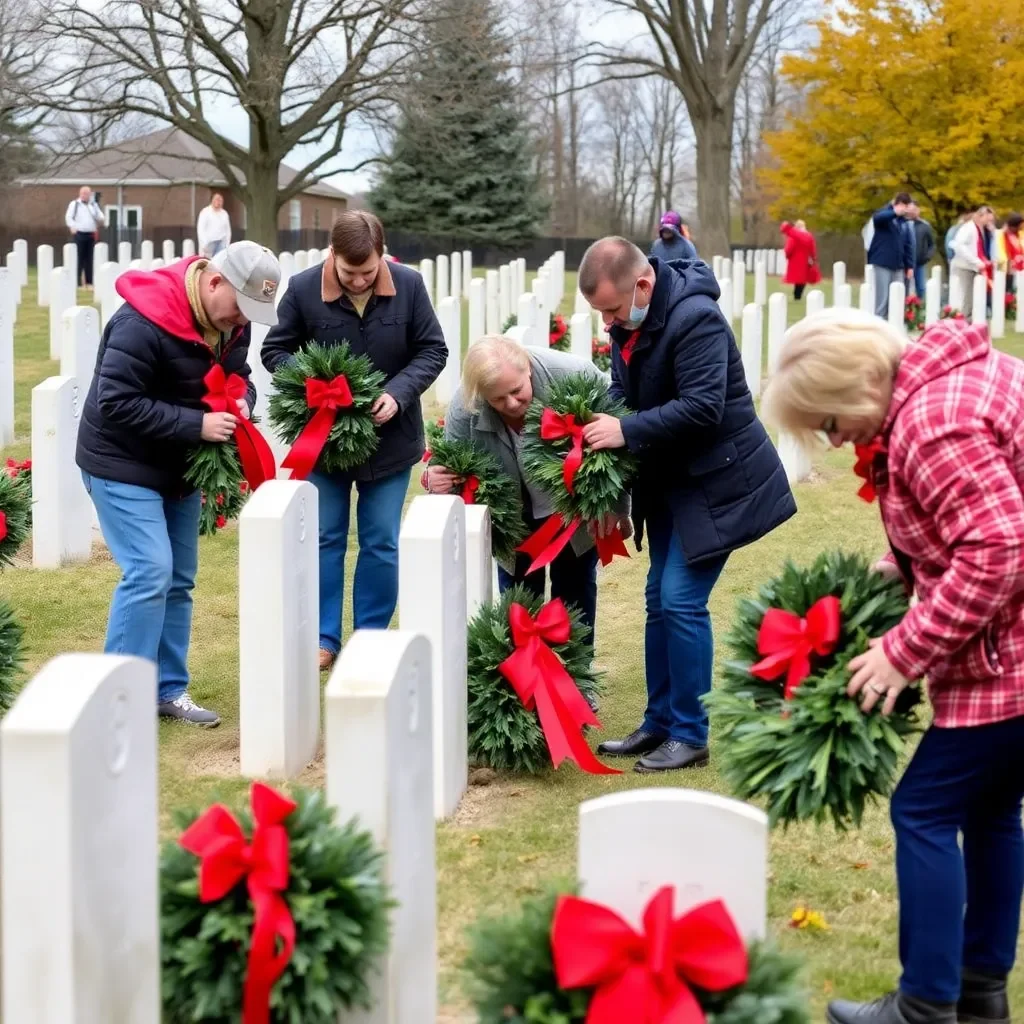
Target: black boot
x,y
983,999
671,756
894,1008
640,741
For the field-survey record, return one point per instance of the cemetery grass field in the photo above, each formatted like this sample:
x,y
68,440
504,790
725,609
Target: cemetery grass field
x,y
513,835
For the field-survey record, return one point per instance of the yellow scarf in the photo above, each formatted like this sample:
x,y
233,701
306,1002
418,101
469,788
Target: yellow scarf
x,y
211,335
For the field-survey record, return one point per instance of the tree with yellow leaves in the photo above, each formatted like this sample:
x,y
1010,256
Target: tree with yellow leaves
x,y
922,95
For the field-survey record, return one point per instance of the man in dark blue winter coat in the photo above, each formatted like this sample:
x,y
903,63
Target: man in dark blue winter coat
x,y
891,252
671,243
383,311
710,480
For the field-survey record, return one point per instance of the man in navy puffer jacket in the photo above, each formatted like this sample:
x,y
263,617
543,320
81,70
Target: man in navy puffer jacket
x,y
710,480
671,243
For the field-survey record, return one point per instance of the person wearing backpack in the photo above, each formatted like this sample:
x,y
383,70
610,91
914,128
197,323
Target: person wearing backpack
x,y
84,219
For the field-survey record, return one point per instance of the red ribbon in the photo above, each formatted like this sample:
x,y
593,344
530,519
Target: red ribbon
x,y
545,544
223,393
558,331
326,397
627,350
610,545
646,977
225,859
553,427
865,468
541,681
3,525
15,468
789,641
469,489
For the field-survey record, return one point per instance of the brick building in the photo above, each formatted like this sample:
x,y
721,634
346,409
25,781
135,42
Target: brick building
x,y
153,187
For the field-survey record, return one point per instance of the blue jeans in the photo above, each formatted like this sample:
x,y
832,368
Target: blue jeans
x,y
378,520
215,247
155,542
678,644
573,579
961,782
920,281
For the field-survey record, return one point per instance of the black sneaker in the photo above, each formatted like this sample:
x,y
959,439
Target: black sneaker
x,y
892,1008
983,999
672,756
185,709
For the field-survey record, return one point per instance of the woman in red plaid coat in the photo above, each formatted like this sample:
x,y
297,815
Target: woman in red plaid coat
x,y
941,422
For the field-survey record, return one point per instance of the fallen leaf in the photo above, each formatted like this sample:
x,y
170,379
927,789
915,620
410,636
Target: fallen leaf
x,y
527,858
475,840
860,865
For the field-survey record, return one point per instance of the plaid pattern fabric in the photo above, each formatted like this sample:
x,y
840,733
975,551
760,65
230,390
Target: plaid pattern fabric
x,y
951,497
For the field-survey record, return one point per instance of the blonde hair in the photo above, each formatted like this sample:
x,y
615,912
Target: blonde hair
x,y
484,362
826,364
801,224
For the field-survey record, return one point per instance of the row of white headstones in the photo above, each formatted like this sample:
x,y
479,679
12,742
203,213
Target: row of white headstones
x,y
79,787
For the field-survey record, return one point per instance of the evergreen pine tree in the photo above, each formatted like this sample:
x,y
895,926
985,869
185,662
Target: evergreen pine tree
x,y
460,163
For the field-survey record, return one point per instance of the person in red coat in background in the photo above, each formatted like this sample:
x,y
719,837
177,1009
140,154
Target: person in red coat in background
x,y
801,257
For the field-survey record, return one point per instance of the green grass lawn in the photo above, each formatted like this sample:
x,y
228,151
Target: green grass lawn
x,y
509,837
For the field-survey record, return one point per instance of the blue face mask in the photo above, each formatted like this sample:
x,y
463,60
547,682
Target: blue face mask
x,y
636,314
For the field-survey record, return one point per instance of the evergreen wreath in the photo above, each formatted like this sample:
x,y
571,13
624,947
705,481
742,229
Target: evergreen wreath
x,y
602,476
11,635
485,483
215,470
502,734
336,897
816,754
601,353
511,976
15,514
558,331
434,432
353,436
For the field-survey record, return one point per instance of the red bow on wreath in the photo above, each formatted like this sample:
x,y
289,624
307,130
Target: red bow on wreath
x,y
15,468
541,681
558,329
223,393
225,859
469,488
3,525
789,641
646,977
865,468
326,397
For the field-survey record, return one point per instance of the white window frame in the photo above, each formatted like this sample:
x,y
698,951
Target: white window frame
x,y
295,215
120,214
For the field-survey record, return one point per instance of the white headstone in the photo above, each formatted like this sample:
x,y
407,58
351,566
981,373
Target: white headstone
x,y
44,270
581,338
897,304
427,273
998,325
520,265
188,248
21,249
520,335
706,846
314,257
78,775
527,316
749,259
580,304
956,294
725,298
167,251
124,254
838,275
146,254
979,303
6,375
771,260
493,319
781,262
866,298
539,288
301,261
760,282
843,296
135,265
479,560
110,300
156,264
937,273
278,629
80,342
932,301
456,275
504,293
794,458
467,270
61,509
716,267
380,756
449,314
477,309
815,301
62,297
71,262
776,328
432,601
751,350
13,279
739,286
442,278
100,255
1019,292
287,262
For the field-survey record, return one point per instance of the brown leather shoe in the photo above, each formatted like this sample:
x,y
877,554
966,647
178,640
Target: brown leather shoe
x,y
326,659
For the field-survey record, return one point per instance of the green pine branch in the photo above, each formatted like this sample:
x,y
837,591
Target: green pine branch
x,y
215,470
11,636
16,506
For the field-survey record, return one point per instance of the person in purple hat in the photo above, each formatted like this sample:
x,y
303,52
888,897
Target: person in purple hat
x,y
671,243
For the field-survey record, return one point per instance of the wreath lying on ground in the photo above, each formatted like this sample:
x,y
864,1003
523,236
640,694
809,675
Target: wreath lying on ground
x,y
584,485
532,685
562,960
284,909
485,483
15,514
913,313
321,406
558,331
11,635
601,353
786,729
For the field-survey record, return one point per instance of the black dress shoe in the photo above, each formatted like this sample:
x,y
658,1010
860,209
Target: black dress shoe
x,y
983,999
638,742
671,756
894,1008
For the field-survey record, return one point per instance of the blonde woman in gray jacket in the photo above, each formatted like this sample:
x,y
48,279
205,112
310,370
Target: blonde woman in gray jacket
x,y
500,378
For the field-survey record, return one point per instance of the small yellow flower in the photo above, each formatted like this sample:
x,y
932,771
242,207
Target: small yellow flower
x,y
804,918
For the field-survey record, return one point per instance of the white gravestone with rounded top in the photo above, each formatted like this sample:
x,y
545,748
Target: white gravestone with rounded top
x,y
777,304
188,248
751,347
504,294
6,375
897,305
581,338
78,767
815,301
456,275
124,254
62,297
725,298
432,601
427,273
467,270
441,269
44,270
479,560
477,309
167,250
492,317
449,315
80,344
379,753
20,247
146,254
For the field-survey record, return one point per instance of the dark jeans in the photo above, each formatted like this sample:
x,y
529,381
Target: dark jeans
x,y
961,782
798,291
678,646
85,242
921,280
573,579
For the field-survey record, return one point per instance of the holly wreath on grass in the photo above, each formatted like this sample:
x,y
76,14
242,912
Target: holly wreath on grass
x,y
786,731
15,514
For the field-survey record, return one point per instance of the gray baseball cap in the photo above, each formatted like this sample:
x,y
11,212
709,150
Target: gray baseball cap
x,y
253,271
